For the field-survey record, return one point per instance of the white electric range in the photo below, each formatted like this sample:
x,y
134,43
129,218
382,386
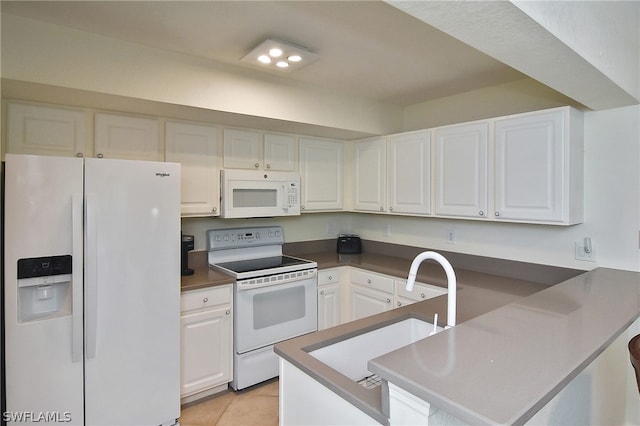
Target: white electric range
x,y
275,296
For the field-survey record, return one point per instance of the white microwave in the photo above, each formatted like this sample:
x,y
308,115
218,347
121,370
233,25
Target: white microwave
x,y
254,193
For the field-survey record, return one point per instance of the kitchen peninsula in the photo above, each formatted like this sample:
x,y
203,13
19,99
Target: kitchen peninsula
x,y
524,332
518,344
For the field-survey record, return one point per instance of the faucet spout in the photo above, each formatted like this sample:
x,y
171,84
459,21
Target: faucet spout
x,y
451,281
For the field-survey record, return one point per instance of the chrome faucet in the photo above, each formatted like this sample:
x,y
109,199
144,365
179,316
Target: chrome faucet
x,y
451,281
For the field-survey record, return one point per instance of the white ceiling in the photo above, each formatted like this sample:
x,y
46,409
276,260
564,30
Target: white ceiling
x,y
367,48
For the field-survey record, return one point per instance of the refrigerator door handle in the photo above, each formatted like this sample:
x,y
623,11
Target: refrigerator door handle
x,y
91,276
76,277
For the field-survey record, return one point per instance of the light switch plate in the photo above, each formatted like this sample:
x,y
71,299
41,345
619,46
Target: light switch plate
x,y
582,255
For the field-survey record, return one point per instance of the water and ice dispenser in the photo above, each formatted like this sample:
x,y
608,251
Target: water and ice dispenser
x,y
44,287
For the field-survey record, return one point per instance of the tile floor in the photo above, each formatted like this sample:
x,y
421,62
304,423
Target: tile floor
x,y
256,406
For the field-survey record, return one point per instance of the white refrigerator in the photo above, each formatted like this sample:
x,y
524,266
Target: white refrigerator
x,y
92,291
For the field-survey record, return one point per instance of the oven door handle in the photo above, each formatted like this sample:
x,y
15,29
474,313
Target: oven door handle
x,y
259,282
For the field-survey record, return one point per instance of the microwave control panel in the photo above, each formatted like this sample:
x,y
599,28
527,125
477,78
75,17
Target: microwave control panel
x,y
293,195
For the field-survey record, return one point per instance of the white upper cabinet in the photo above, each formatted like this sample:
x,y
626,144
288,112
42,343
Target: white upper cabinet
x,y
248,149
126,137
461,170
45,130
321,170
370,173
539,167
195,147
280,152
242,149
409,158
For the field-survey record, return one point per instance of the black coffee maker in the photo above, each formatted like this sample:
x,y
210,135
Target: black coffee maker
x,y
188,244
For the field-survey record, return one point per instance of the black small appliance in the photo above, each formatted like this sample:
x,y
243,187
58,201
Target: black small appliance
x,y
187,245
349,244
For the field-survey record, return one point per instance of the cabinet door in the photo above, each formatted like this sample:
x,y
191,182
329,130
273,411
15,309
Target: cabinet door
x,y
195,147
280,152
206,349
242,149
529,167
409,157
321,174
44,130
127,138
365,302
328,306
419,293
370,174
461,170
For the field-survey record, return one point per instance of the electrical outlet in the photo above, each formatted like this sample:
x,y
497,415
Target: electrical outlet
x,y
581,254
387,230
451,236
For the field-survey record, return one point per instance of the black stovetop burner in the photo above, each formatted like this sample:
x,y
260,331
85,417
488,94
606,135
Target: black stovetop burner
x,y
263,263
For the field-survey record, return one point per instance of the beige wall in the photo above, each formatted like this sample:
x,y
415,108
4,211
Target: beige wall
x,y
52,55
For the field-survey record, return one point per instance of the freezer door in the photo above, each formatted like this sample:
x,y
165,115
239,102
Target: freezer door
x,y
43,308
132,292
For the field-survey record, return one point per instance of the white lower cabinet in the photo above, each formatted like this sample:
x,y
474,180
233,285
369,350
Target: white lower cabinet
x,y
347,293
328,298
206,322
369,294
419,293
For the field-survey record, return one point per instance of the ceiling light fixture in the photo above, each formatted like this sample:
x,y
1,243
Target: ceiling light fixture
x,y
281,55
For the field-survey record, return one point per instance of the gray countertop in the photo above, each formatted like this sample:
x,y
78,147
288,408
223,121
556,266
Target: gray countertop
x,y
525,351
478,293
525,338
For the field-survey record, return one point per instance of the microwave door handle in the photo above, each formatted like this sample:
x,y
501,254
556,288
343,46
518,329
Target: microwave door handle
x,y
285,196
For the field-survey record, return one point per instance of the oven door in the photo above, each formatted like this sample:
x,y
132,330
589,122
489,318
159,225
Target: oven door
x,y
271,314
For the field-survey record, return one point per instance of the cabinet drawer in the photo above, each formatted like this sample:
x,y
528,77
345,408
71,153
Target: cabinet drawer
x,y
206,298
420,291
328,276
370,280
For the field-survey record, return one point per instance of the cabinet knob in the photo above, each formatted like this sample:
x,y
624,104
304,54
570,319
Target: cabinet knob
x,y
301,207
497,214
422,295
388,300
256,165
215,209
399,304
79,155
321,292
100,156
481,213
330,277
390,208
381,208
369,281
268,166
205,300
